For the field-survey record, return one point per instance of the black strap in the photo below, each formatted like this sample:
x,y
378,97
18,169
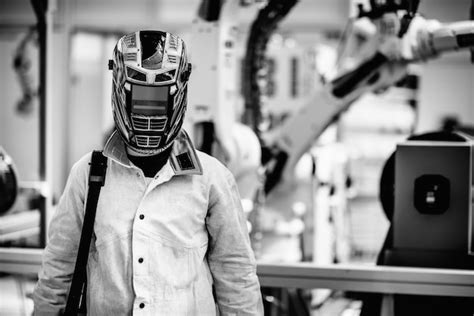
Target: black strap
x,y
78,285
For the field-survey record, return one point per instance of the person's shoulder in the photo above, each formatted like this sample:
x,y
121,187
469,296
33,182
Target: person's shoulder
x,y
212,166
81,167
208,162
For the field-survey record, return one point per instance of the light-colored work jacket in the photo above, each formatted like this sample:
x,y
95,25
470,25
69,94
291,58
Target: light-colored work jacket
x,y
160,244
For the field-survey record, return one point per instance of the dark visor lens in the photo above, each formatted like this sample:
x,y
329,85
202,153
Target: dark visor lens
x,y
149,100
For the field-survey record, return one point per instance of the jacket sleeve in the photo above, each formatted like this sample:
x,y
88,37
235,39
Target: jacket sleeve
x,y
231,259
59,256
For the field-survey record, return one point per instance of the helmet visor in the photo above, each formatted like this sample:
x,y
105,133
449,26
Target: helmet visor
x,y
149,100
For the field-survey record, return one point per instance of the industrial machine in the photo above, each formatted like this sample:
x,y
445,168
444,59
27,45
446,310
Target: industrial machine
x,y
387,66
19,217
396,38
8,182
426,192
212,118
433,198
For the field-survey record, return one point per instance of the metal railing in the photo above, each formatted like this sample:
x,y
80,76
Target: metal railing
x,y
372,279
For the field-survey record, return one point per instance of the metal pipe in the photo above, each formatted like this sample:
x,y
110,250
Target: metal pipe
x,y
372,279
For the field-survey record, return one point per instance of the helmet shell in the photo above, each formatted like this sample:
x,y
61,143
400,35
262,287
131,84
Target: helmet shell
x,y
149,89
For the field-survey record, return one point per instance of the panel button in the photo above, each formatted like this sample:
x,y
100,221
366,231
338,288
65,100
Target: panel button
x,y
140,260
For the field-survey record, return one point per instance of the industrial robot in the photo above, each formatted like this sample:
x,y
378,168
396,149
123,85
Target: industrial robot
x,y
400,37
388,63
212,119
397,37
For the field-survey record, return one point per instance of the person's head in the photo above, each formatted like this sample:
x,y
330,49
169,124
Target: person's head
x,y
149,89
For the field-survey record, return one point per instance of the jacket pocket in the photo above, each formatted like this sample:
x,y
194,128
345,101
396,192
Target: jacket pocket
x,y
176,265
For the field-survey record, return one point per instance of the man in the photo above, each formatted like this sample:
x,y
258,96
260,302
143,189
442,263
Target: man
x,y
169,225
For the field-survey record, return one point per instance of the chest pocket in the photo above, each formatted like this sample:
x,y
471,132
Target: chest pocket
x,y
176,265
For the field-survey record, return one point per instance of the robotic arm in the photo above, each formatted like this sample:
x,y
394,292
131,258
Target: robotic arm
x,y
423,40
211,118
447,37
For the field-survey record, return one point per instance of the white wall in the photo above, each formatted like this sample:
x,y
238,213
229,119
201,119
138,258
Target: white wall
x,y
86,94
447,89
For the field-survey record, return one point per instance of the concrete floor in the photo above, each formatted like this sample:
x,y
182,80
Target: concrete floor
x,y
15,295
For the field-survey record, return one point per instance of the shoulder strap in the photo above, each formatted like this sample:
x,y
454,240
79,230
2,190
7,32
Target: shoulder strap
x,y
96,181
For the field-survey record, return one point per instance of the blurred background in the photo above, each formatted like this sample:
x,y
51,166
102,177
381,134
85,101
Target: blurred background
x,y
56,107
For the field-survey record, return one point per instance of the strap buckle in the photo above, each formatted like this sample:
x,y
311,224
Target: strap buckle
x,y
98,168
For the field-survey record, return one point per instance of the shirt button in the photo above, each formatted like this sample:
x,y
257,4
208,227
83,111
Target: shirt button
x,y
138,174
142,305
140,260
142,216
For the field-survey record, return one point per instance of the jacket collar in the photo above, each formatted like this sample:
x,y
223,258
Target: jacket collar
x,y
183,158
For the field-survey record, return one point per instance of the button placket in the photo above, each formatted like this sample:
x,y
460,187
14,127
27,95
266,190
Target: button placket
x,y
141,277
141,305
139,174
139,241
139,264
164,175
140,244
139,250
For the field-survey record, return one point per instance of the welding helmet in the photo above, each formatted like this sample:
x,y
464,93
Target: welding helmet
x,y
149,89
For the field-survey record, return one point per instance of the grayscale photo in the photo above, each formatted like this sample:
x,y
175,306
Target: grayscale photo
x,y
237,157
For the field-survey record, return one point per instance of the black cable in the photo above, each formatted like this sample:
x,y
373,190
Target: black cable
x,y
262,28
